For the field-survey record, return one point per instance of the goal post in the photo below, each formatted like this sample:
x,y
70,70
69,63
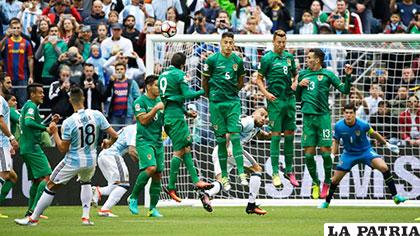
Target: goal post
x,y
376,59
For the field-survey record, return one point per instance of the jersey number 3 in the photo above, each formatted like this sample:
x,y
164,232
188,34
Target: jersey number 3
x,y
87,135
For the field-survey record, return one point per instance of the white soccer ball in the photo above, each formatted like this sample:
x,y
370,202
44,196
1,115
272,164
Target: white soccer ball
x,y
168,29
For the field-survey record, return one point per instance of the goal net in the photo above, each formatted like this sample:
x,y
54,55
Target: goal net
x,y
386,68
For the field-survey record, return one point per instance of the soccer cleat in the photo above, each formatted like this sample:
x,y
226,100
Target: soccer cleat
x,y
203,185
399,199
226,184
172,194
3,216
205,200
292,179
154,213
244,181
27,221
325,190
324,205
29,213
276,180
87,222
251,208
106,213
132,205
315,191
96,196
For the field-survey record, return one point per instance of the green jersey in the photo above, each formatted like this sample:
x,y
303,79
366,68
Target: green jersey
x,y
315,96
152,132
51,56
14,120
174,90
31,127
278,71
223,73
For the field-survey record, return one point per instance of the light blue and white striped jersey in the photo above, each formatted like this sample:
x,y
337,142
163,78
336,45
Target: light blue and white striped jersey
x,y
5,112
249,130
28,19
82,130
126,138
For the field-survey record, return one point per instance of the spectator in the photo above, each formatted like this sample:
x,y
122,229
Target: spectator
x,y
112,19
59,93
384,122
279,15
74,61
18,60
374,98
124,58
306,26
123,92
239,18
93,88
364,10
129,31
38,33
67,28
78,4
172,15
300,6
152,27
9,9
102,33
251,26
200,25
395,25
222,23
339,26
211,10
316,11
414,27
58,9
160,8
98,62
409,79
380,76
250,52
359,101
116,42
399,103
28,15
137,9
406,9
410,122
110,5
263,22
340,10
83,41
96,17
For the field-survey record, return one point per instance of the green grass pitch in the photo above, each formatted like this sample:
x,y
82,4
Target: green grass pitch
x,y
65,220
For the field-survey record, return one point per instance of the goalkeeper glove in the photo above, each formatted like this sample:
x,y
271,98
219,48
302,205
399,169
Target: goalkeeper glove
x,y
393,148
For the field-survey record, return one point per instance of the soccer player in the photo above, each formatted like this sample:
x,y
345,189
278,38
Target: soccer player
x,y
223,78
79,142
8,146
354,134
33,156
114,169
313,90
148,111
279,68
174,90
251,127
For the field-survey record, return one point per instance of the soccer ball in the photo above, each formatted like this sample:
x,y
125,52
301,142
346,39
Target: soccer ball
x,y
168,29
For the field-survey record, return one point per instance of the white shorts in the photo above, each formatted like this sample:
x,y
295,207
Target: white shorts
x,y
248,161
6,162
63,173
113,168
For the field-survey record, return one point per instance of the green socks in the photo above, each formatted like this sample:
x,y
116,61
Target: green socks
x,y
141,181
311,164
39,192
173,172
274,153
32,194
189,164
237,152
326,156
222,153
155,187
5,190
289,149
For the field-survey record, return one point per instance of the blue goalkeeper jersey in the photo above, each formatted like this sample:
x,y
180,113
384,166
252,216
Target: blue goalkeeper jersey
x,y
354,138
82,130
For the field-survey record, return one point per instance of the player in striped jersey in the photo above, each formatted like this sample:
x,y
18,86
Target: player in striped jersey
x,y
80,135
114,169
250,127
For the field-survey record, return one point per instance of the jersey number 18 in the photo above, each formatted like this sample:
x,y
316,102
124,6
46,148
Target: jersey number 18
x,y
87,135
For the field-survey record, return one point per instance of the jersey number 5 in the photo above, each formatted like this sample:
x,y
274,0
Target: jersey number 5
x,y
87,135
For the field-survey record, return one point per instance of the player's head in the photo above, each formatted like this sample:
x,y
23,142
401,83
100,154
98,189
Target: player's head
x,y
150,85
315,58
227,43
349,111
279,41
11,100
35,93
178,60
76,96
5,83
260,116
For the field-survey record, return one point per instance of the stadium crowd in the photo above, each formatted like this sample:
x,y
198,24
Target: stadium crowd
x,y
100,46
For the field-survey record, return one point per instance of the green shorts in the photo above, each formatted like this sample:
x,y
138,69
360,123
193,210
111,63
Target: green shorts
x,y
177,129
151,155
282,114
316,131
225,117
37,164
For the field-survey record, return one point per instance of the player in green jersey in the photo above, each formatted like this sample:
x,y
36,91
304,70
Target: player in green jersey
x,y
314,90
279,69
174,90
33,156
223,78
148,111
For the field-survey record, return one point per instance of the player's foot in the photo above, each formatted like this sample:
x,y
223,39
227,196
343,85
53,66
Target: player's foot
x,y
399,199
27,221
28,213
172,194
292,179
106,213
244,181
315,191
325,190
205,200
87,222
203,185
254,209
3,216
276,180
96,196
132,205
154,213
226,184
324,205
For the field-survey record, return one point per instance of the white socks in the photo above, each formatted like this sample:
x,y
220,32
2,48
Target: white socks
x,y
44,201
254,186
85,198
215,190
106,191
114,198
